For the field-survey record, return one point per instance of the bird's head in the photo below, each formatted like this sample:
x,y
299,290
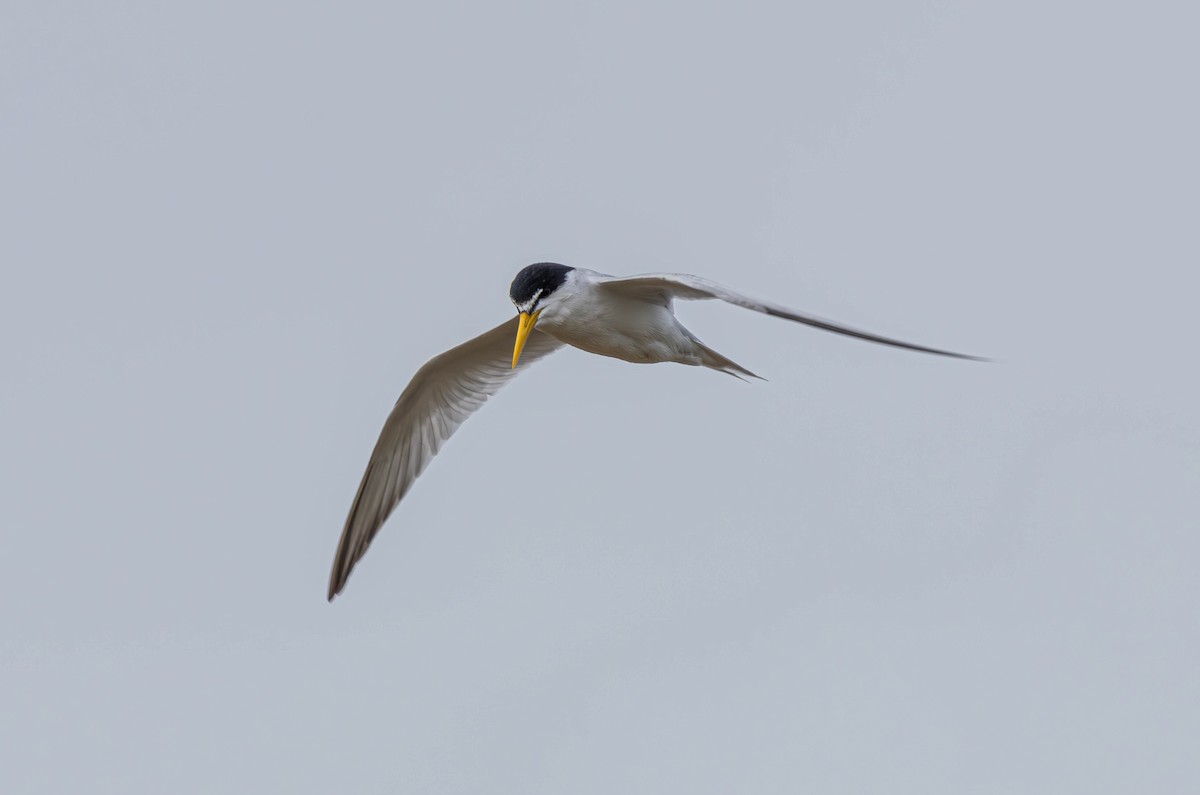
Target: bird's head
x,y
532,292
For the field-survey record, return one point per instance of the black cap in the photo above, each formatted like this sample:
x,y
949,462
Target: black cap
x,y
535,282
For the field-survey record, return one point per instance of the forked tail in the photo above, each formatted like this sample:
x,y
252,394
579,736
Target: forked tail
x,y
715,361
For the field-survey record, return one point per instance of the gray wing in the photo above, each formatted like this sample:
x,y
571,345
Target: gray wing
x,y
440,397
662,287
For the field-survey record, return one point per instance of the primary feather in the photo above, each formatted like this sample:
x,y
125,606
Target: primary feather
x,y
448,389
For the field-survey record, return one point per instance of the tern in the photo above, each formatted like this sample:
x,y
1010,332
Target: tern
x,y
625,317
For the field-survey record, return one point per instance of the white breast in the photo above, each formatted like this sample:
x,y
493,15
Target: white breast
x,y
600,322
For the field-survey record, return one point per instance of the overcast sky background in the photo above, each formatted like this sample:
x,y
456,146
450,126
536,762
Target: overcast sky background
x,y
231,231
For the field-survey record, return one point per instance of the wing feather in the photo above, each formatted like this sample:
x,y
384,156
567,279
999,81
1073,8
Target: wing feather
x,y
441,396
662,287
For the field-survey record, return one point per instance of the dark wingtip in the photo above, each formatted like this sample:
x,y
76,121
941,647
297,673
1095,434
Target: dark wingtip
x,y
837,328
337,584
968,357
971,358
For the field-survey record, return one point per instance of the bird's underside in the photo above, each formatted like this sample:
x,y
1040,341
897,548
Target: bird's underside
x,y
626,318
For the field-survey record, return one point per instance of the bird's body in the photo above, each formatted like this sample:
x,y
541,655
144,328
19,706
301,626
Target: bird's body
x,y
602,321
627,318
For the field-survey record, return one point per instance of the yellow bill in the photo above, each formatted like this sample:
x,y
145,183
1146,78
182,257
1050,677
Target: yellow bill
x,y
525,326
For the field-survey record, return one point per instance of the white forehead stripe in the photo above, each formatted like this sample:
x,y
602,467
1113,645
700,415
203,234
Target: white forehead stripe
x,y
531,303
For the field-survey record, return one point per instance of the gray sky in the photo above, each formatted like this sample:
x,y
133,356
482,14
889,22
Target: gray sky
x,y
232,231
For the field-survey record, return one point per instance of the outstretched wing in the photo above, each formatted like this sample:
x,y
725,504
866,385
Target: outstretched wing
x,y
662,287
440,397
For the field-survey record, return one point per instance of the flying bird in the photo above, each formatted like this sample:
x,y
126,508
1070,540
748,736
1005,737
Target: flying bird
x,y
625,317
